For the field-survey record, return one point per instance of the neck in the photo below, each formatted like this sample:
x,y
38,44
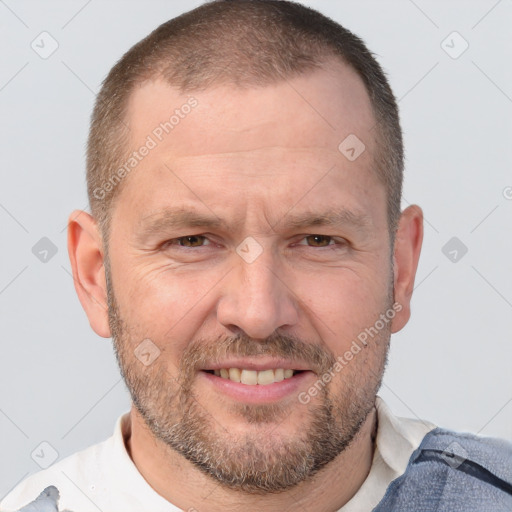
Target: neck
x,y
185,486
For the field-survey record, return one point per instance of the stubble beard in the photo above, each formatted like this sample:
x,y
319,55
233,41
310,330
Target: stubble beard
x,y
262,459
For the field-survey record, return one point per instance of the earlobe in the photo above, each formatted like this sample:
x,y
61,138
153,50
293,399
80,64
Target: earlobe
x,y
86,255
408,240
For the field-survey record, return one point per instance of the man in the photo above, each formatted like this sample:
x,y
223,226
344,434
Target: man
x,y
247,253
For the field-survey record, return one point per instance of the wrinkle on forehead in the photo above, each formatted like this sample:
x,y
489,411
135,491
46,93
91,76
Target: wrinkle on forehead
x,y
317,109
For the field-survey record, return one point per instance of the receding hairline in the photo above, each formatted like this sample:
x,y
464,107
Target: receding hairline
x,y
330,64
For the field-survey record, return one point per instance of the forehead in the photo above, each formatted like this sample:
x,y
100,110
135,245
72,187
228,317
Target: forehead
x,y
275,143
315,110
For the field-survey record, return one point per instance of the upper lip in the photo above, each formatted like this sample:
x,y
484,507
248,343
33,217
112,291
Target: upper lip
x,y
258,364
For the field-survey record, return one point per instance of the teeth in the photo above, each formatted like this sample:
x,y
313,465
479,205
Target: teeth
x,y
234,374
253,377
249,377
266,377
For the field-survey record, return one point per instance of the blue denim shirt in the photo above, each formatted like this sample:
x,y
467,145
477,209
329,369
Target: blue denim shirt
x,y
454,472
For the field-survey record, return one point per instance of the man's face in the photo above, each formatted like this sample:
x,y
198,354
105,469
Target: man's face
x,y
257,291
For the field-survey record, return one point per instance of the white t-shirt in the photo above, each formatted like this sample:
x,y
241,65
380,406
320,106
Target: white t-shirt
x,y
103,477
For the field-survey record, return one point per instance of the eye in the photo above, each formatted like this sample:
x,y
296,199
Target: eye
x,y
189,241
319,240
195,241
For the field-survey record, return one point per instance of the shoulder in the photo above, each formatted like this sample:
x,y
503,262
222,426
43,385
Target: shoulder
x,y
453,471
73,476
491,454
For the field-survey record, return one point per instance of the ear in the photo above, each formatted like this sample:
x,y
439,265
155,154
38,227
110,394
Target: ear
x,y
85,250
408,240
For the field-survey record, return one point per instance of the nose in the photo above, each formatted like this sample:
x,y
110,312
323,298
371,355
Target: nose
x,y
257,298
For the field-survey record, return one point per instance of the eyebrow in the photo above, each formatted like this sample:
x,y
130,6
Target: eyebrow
x,y
179,218
334,217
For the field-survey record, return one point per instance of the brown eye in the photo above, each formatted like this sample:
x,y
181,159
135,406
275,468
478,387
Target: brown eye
x,y
191,241
318,240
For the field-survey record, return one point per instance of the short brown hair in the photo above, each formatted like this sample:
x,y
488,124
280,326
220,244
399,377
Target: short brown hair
x,y
243,43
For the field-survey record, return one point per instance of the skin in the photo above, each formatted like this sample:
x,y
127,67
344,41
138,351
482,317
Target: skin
x,y
253,156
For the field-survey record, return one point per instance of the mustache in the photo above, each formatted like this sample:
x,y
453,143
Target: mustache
x,y
201,353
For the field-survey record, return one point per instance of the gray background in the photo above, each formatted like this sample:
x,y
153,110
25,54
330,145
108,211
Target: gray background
x,y
451,364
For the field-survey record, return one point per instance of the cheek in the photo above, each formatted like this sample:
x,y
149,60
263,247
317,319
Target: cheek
x,y
342,304
165,304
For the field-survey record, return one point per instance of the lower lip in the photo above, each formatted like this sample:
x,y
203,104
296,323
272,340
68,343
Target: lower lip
x,y
259,393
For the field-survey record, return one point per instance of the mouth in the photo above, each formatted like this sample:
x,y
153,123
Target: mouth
x,y
254,377
257,381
